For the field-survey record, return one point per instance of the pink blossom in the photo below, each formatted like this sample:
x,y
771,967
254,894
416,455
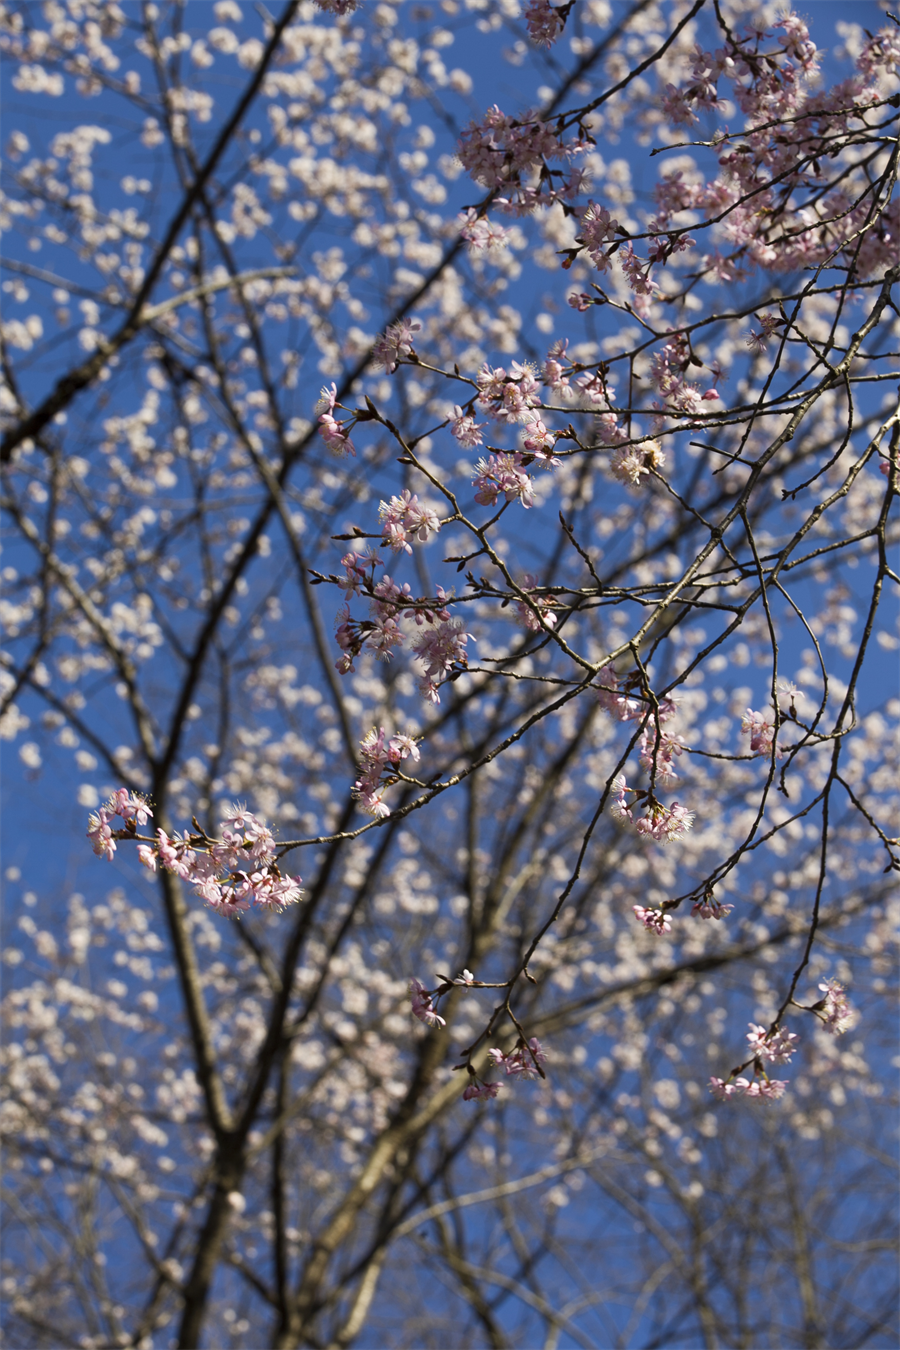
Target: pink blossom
x,y
504,475
100,835
597,228
335,435
422,1006
554,368
777,1046
500,149
230,873
758,341
485,1091
440,647
395,343
482,233
465,429
545,23
836,1010
379,757
659,751
404,518
637,272
543,605
761,732
665,824
710,908
147,856
507,397
722,1090
631,464
654,920
526,1061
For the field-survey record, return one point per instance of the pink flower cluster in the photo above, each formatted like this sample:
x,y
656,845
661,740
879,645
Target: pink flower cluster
x,y
394,343
545,23
422,1005
133,810
617,698
771,1088
768,324
834,1009
659,750
543,604
664,824
481,233
404,518
500,151
767,189
632,464
334,433
378,759
710,908
507,397
775,1046
539,440
440,647
667,371
485,1091
229,873
598,228
503,475
526,1061
654,920
761,732
465,429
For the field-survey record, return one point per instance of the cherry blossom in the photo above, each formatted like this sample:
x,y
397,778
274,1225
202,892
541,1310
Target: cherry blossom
x,y
543,605
422,1006
230,873
835,1009
503,475
777,1046
440,647
525,1061
379,757
481,1091
654,920
395,342
761,731
404,518
465,429
710,908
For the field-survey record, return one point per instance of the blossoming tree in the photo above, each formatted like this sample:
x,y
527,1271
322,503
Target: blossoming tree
x,y
447,556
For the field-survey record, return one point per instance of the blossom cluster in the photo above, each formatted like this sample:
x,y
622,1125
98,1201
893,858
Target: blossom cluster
x,y
835,1010
404,518
723,1090
503,152
133,810
664,824
230,873
544,605
792,122
762,193
441,642
379,758
394,343
335,434
761,731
